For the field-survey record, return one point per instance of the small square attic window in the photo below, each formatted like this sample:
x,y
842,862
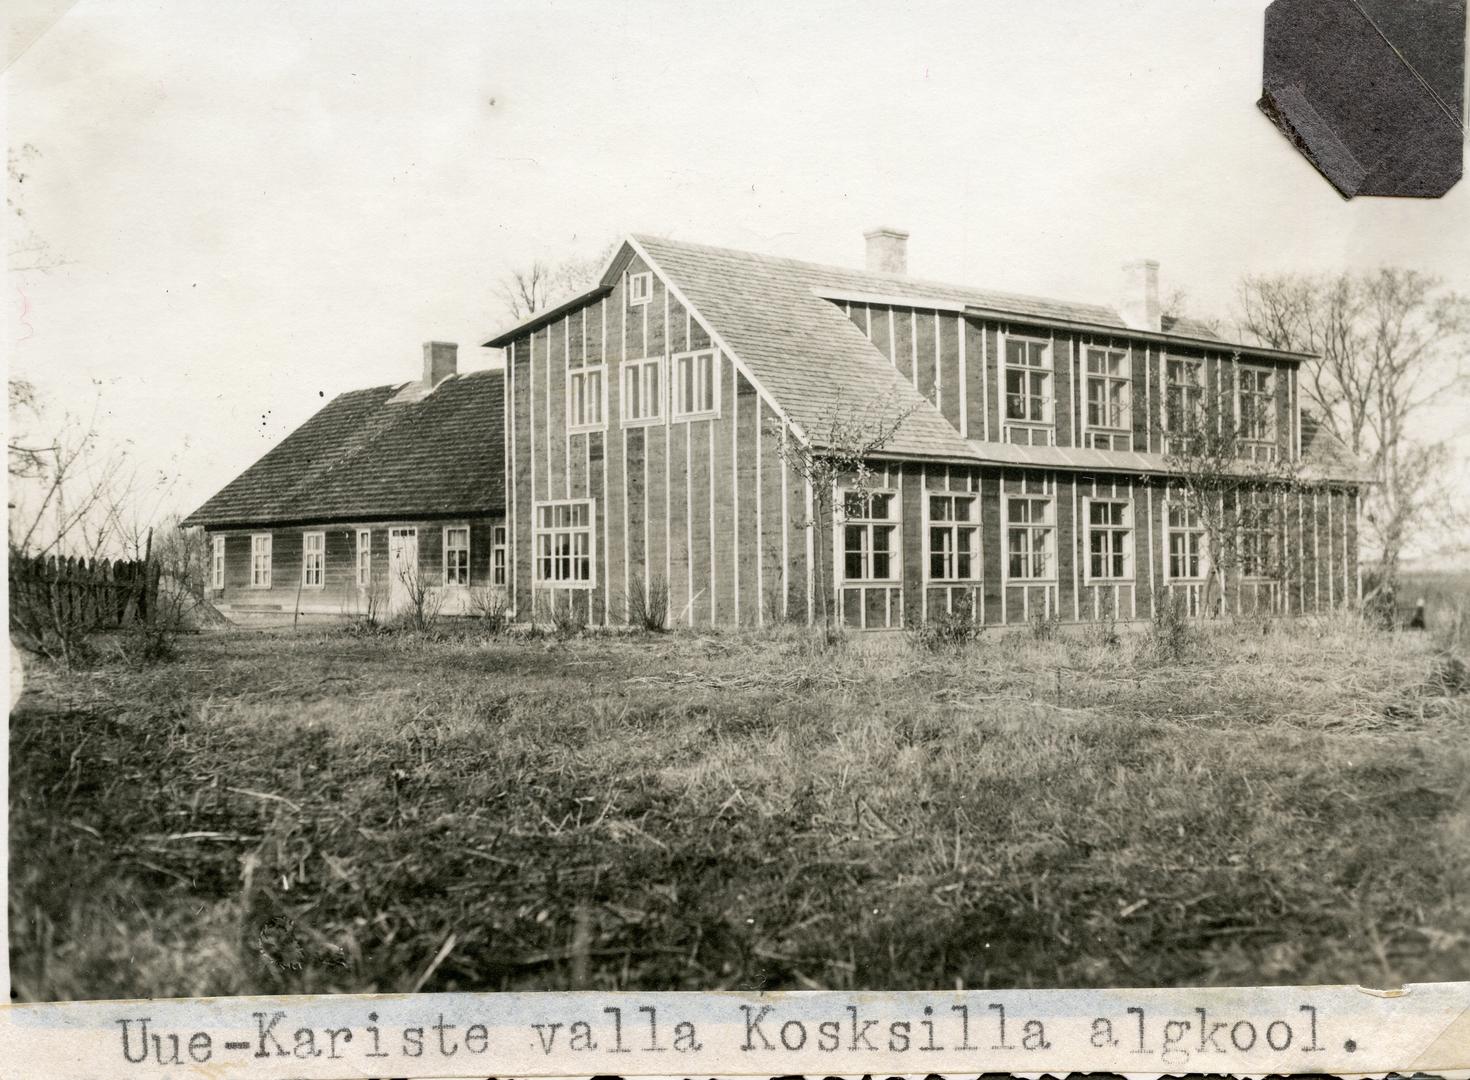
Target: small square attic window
x,y
640,288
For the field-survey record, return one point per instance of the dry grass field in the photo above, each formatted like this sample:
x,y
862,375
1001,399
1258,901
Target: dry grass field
x,y
324,810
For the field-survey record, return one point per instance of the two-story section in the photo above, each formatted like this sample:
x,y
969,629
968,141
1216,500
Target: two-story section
x,y
1032,469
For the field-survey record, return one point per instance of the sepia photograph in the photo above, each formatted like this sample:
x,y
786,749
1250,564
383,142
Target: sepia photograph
x,y
641,497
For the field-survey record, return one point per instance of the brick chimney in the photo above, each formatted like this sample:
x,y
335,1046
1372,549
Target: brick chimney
x,y
1139,303
887,250
441,360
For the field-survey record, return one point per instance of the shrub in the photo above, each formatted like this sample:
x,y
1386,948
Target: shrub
x,y
1045,625
648,603
491,606
422,602
1170,634
952,629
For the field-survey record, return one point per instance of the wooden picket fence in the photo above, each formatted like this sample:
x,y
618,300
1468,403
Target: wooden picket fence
x,y
95,594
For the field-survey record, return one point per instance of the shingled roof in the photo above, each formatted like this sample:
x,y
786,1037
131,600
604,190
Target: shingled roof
x,y
363,457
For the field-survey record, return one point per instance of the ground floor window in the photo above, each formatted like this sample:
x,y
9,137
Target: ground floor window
x,y
498,555
364,558
217,564
1186,536
1258,536
260,561
1109,539
954,537
313,558
563,542
869,536
1030,538
457,555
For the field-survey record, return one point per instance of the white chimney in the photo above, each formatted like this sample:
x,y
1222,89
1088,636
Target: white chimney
x,y
1139,304
887,251
441,360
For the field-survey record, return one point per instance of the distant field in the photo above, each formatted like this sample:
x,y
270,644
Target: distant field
x,y
321,811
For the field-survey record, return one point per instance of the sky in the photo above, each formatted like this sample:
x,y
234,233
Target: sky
x,y
256,207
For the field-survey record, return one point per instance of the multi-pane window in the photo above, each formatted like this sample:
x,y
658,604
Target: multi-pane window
x,y
1108,389
1184,395
1109,539
1186,534
217,563
954,537
585,398
1028,380
643,390
260,561
695,388
457,555
313,558
364,558
640,288
1030,537
1257,405
870,536
498,555
1258,539
563,543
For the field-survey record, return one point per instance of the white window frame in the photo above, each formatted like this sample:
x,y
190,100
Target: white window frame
x,y
363,562
957,530
1107,380
1047,527
1048,398
1124,531
676,384
499,555
447,548
578,398
1269,396
869,526
588,530
1199,412
260,560
640,288
217,563
1202,553
1271,531
321,560
639,370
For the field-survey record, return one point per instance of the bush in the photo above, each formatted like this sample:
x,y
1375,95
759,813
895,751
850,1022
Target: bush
x,y
491,606
648,604
952,629
1171,636
1045,626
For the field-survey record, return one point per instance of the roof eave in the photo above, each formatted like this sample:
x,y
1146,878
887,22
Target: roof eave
x,y
541,318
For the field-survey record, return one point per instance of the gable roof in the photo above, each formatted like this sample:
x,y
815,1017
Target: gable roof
x,y
362,456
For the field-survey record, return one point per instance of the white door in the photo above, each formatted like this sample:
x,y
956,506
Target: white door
x,y
403,565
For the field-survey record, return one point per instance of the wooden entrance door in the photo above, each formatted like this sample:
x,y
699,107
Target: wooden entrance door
x,y
403,566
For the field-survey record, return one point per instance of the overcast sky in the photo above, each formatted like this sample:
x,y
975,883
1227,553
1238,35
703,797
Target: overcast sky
x,y
261,206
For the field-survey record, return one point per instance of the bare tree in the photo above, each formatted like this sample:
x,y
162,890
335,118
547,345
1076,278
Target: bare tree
x,y
1387,345
526,290
837,453
25,251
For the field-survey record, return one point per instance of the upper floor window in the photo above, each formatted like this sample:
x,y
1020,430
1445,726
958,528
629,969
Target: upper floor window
x,y
457,555
1184,395
1109,539
313,559
217,563
640,288
1108,389
696,390
563,542
585,398
1028,380
1257,404
870,536
260,561
364,558
1186,541
643,390
1030,538
954,537
498,555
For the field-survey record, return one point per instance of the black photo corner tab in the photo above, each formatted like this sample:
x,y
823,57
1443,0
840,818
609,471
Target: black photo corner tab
x,y
1372,92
